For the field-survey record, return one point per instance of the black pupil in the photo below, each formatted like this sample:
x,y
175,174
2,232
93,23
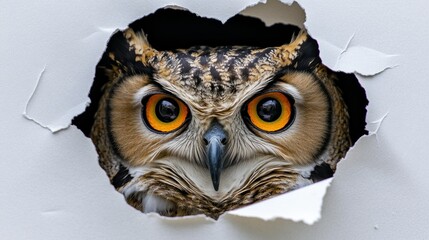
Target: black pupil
x,y
269,109
167,110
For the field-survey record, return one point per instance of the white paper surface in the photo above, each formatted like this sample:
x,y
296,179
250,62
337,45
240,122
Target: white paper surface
x,y
290,205
53,188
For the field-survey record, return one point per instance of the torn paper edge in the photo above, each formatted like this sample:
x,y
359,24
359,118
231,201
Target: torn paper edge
x,y
269,209
31,97
197,217
310,196
384,61
377,124
358,59
223,19
74,111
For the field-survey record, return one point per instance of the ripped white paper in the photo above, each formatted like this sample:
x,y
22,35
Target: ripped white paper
x,y
356,59
53,188
286,206
61,122
303,204
365,61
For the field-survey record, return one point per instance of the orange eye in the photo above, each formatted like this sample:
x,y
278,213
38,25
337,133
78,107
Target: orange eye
x,y
270,112
164,113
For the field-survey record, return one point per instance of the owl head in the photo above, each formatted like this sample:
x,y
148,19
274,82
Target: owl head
x,y
209,129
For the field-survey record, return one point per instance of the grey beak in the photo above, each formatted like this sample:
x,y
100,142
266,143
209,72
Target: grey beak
x,y
215,139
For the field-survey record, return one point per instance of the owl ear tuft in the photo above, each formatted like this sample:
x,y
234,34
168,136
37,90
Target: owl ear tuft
x,y
139,44
301,53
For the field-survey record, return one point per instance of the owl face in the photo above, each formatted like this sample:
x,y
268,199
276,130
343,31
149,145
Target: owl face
x,y
205,130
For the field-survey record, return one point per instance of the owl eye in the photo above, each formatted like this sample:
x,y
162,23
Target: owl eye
x,y
270,112
164,113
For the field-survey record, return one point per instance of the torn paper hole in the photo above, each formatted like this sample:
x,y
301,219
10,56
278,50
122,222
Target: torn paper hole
x,y
168,152
374,126
130,179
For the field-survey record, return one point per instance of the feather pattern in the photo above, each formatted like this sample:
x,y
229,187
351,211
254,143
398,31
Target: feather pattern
x,y
168,173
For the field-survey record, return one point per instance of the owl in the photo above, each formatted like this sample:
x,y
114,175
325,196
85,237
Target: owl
x,y
204,130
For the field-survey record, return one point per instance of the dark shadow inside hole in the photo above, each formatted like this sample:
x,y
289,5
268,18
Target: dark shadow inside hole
x,y
169,29
355,98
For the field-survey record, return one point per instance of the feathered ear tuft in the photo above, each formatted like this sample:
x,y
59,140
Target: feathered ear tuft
x,y
139,44
301,53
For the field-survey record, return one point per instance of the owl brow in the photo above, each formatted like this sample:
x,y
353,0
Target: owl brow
x,y
160,88
165,88
271,81
143,91
156,84
152,84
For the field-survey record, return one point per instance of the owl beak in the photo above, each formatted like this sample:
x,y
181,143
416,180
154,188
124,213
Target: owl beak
x,y
215,139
